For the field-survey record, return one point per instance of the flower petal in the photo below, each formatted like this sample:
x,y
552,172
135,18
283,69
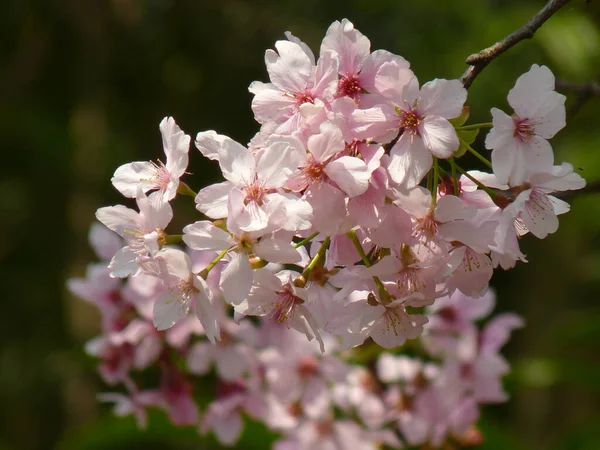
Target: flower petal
x,y
350,174
439,136
444,98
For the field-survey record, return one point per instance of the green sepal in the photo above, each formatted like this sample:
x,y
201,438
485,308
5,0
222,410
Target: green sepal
x,y
460,120
465,137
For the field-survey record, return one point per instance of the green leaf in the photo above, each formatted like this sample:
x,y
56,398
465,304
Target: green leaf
x,y
460,120
466,136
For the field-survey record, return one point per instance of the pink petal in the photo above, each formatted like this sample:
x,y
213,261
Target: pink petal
x,y
538,214
237,163
350,174
176,145
119,219
444,98
128,177
351,45
104,242
228,429
236,279
277,250
439,136
203,235
205,311
269,103
290,68
169,308
409,161
210,143
212,200
327,143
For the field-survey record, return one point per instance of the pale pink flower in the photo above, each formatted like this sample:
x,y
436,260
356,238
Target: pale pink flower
x,y
393,323
519,143
534,209
296,83
320,165
358,67
276,297
100,288
237,275
232,355
458,312
224,415
162,176
143,232
175,396
104,242
360,393
422,115
252,199
328,176
329,434
126,405
184,289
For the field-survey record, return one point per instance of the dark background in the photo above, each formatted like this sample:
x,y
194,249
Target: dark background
x,y
83,86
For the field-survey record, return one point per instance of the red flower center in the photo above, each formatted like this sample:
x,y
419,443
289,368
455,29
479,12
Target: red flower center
x,y
349,87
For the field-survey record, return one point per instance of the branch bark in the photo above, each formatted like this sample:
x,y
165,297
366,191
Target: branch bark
x,y
478,61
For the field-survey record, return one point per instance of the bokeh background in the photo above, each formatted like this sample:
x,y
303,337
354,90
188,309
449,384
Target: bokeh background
x,y
83,86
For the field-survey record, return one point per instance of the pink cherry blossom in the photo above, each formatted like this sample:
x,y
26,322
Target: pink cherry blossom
x,y
184,289
422,115
358,67
161,176
296,82
143,232
252,198
520,143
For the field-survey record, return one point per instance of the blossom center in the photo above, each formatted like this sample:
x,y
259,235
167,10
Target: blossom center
x,y
448,314
524,128
184,290
410,120
254,193
304,97
409,282
284,305
349,86
314,171
307,366
425,228
162,177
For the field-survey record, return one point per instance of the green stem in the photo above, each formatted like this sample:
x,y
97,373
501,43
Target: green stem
x,y
184,189
476,154
476,126
429,178
436,179
306,240
173,239
476,181
352,236
384,295
204,273
454,177
318,258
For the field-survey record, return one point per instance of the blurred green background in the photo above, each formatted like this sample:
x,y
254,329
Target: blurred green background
x,y
83,86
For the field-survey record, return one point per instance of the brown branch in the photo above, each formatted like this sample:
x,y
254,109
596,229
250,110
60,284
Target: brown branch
x,y
478,61
583,92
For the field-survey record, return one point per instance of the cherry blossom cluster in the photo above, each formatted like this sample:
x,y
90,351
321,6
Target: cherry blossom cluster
x,y
349,218
337,399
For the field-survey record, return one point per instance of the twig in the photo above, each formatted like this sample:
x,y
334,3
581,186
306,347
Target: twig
x,y
478,61
583,91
